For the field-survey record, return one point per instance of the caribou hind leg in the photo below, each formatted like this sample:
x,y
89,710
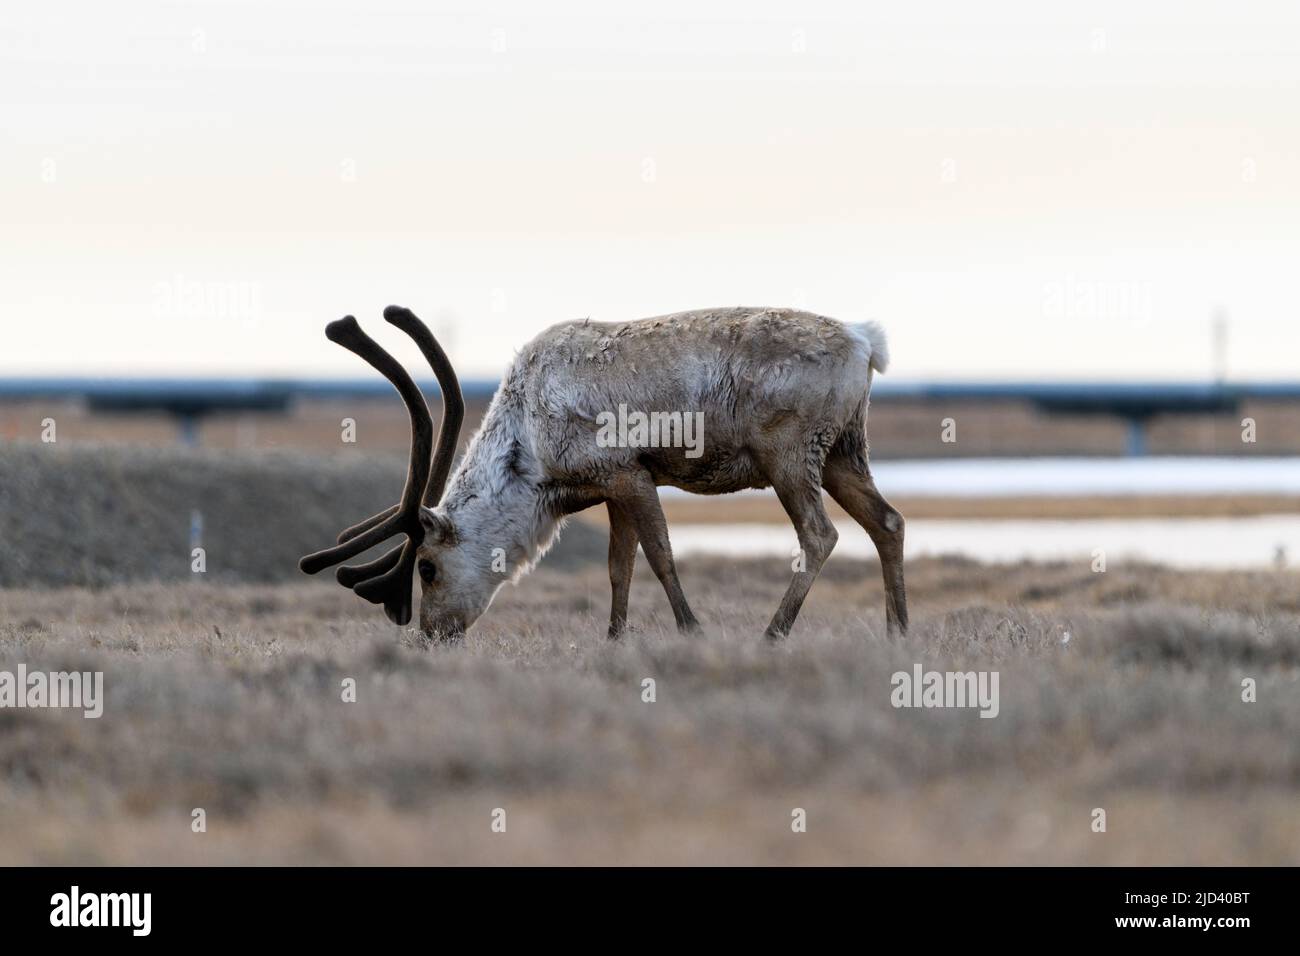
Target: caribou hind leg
x,y
849,483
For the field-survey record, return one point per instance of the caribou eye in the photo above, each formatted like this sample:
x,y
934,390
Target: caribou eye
x,y
428,571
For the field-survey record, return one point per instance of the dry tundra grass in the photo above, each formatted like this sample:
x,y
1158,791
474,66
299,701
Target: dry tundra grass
x,y
229,698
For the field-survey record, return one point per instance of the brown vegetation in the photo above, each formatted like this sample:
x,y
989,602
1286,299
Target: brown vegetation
x,y
229,698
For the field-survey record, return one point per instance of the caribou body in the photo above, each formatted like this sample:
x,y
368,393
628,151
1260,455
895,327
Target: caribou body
x,y
778,399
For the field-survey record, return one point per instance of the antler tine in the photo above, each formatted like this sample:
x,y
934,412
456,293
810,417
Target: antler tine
x,y
350,575
393,587
320,560
453,403
347,333
347,534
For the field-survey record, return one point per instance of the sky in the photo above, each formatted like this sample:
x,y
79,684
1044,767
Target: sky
x,y
1015,190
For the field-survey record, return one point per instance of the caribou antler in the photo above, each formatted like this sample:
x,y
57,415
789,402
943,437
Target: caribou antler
x,y
453,415
387,579
453,404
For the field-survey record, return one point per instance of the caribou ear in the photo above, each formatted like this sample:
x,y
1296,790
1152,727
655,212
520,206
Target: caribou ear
x,y
437,528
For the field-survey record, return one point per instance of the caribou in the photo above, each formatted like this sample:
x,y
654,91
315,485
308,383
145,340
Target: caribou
x,y
780,397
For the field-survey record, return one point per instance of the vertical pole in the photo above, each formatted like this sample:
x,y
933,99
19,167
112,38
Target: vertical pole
x,y
189,425
1136,443
196,528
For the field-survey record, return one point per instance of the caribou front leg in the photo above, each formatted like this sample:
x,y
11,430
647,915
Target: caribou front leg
x,y
622,559
637,496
